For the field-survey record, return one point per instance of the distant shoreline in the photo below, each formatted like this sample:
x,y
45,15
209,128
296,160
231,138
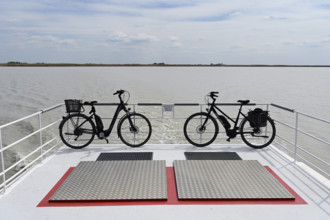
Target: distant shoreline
x,y
18,64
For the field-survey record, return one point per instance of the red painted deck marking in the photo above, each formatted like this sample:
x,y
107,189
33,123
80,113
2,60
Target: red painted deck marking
x,y
172,198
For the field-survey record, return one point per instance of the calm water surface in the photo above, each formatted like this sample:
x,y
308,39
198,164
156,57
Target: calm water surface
x,y
25,90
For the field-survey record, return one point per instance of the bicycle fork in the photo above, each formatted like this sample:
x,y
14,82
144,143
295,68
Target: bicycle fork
x,y
133,128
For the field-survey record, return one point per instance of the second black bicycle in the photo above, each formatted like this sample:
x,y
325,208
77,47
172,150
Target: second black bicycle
x,y
256,128
78,130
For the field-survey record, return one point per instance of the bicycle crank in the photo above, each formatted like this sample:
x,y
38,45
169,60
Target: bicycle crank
x,y
231,133
101,135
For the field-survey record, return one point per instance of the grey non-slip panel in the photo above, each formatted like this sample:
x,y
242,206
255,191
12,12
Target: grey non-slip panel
x,y
114,180
226,179
212,156
125,156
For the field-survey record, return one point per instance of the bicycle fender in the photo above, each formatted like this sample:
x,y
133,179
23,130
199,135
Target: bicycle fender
x,y
241,123
271,119
122,118
119,122
63,119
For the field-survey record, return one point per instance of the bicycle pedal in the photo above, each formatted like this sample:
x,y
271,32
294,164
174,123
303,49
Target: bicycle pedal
x,y
106,140
228,139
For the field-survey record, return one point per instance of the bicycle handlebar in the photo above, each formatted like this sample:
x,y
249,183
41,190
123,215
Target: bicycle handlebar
x,y
213,94
119,92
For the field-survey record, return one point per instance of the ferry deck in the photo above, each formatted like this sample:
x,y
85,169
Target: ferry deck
x,y
29,196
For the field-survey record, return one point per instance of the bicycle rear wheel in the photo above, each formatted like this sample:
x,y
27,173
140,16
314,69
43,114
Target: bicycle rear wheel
x,y
198,135
77,131
137,133
258,137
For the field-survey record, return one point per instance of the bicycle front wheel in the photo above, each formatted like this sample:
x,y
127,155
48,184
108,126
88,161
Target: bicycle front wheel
x,y
197,132
77,131
258,137
134,130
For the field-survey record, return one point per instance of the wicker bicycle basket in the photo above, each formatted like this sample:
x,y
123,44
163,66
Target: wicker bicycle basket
x,y
73,105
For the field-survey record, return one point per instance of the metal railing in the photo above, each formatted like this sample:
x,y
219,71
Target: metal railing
x,y
293,147
6,182
166,112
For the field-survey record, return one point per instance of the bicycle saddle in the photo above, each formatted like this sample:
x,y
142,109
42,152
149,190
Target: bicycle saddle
x,y
90,103
243,102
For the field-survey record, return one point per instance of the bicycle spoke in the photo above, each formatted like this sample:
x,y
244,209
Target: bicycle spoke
x,y
137,133
77,135
258,137
199,134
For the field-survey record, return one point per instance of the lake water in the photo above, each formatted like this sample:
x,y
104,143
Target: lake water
x,y
25,90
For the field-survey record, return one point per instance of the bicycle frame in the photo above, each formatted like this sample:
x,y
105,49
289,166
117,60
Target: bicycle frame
x,y
214,108
201,128
121,107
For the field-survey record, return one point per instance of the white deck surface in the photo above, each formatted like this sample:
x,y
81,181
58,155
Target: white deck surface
x,y
20,200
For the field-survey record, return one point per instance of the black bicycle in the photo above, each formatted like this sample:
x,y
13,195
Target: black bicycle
x,y
257,129
78,130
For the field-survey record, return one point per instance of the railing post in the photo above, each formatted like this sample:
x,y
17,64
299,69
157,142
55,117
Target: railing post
x,y
2,165
162,112
134,125
296,138
200,136
267,108
40,134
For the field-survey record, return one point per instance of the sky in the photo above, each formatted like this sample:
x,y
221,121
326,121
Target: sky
x,y
292,32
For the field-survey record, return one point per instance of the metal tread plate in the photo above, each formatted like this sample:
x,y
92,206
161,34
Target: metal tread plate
x,y
114,180
125,156
212,156
226,179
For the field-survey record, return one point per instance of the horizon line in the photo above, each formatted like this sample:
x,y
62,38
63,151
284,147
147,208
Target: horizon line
x,y
17,64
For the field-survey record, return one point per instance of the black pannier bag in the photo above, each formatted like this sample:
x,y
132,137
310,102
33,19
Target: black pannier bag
x,y
258,117
73,105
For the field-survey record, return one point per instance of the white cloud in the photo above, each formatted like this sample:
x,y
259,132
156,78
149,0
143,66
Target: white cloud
x,y
49,40
26,41
175,41
174,38
125,38
179,31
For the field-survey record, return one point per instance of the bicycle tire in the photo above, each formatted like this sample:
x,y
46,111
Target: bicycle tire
x,y
193,134
77,138
134,137
256,137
